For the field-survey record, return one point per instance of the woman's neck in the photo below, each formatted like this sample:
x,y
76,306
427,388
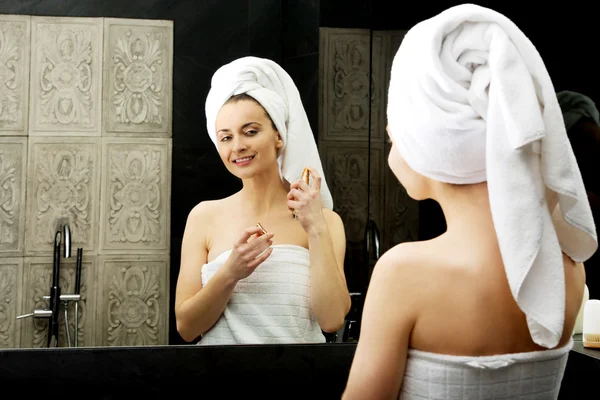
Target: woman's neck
x,y
263,193
466,208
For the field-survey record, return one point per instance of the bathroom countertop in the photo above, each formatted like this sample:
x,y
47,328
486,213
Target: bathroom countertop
x,y
271,371
578,347
582,371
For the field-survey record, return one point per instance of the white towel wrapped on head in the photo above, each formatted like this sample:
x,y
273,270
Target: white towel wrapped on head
x,y
270,85
470,100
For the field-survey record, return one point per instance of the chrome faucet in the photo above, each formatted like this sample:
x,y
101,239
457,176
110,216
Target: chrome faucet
x,y
67,240
62,238
65,237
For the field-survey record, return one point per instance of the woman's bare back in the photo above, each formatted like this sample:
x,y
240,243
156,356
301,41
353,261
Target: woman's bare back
x,y
468,308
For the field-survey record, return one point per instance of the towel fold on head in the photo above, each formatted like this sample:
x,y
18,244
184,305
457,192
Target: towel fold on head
x,y
270,85
470,100
575,105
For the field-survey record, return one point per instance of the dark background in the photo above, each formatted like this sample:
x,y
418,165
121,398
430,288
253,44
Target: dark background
x,y
210,33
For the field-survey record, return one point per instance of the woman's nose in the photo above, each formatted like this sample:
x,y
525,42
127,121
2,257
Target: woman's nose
x,y
239,144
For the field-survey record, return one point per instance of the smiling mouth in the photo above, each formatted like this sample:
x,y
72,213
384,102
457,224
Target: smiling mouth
x,y
243,160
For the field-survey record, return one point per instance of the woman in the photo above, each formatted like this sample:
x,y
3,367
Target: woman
x,y
240,284
485,310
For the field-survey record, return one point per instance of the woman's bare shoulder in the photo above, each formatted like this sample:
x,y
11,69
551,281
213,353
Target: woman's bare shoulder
x,y
406,264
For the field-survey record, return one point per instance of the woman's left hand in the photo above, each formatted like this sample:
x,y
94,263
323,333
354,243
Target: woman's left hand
x,y
305,200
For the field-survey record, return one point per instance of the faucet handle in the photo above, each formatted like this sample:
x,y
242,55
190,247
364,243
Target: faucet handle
x,y
37,314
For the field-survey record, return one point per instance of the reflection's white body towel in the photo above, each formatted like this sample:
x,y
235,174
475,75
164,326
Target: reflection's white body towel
x,y
274,89
470,100
270,306
534,375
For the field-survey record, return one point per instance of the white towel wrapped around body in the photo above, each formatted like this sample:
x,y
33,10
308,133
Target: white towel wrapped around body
x,y
470,100
270,85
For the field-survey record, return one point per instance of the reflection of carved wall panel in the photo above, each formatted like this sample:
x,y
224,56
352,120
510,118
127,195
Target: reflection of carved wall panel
x,y
36,284
10,301
377,184
14,74
133,303
66,76
401,212
344,140
378,97
13,165
62,186
391,40
344,71
137,77
346,170
136,194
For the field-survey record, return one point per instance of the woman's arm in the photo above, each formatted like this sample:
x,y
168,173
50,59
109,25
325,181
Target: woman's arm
x,y
387,321
330,300
198,308
329,295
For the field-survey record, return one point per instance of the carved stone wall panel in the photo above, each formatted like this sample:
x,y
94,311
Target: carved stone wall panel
x,y
13,167
401,212
14,74
344,64
133,300
11,293
36,284
63,187
346,167
136,195
66,76
138,73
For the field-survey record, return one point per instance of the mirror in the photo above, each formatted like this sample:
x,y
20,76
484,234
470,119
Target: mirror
x,y
96,132
357,37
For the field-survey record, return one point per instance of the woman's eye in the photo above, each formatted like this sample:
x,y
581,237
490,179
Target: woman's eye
x,y
251,132
225,138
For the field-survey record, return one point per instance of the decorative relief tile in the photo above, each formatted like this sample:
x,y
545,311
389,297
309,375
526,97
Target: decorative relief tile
x,y
13,166
36,285
138,77
14,74
136,195
346,77
63,187
66,76
133,302
10,301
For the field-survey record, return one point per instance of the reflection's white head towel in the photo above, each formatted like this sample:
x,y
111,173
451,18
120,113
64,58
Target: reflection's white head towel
x,y
268,83
470,100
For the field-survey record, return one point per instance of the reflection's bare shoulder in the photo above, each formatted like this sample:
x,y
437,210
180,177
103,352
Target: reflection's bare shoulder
x,y
202,214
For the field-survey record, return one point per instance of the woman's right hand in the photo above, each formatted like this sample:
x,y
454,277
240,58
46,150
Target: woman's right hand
x,y
247,254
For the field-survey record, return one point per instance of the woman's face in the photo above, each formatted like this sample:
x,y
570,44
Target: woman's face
x,y
246,140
